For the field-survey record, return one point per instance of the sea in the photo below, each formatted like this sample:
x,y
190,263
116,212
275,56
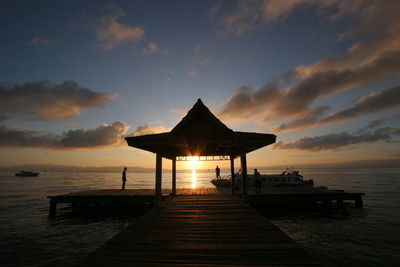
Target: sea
x,y
339,237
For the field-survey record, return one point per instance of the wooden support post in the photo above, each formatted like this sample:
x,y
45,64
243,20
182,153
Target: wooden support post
x,y
174,177
233,184
243,164
359,202
53,207
158,195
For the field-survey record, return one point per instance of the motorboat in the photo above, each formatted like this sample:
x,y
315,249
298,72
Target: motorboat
x,y
26,174
286,178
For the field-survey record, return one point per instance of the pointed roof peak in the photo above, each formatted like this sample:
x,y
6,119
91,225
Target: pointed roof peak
x,y
192,115
198,103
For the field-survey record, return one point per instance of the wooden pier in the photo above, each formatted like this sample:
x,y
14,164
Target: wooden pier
x,y
201,230
268,196
202,227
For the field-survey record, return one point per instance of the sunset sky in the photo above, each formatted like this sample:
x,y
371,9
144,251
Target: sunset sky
x,y
78,76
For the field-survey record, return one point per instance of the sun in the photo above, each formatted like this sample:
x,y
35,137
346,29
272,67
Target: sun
x,y
193,163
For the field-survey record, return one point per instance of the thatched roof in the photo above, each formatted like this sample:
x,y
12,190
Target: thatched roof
x,y
200,133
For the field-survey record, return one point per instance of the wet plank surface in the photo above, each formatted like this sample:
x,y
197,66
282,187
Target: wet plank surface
x,y
201,230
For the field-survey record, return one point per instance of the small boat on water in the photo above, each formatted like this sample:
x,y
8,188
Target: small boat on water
x,y
286,178
26,174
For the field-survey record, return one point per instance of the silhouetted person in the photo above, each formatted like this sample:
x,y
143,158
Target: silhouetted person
x,y
124,178
257,180
218,173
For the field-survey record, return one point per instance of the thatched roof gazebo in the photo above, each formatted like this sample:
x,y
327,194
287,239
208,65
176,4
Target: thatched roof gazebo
x,y
200,134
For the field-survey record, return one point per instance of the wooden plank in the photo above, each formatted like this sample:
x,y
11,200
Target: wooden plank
x,y
203,230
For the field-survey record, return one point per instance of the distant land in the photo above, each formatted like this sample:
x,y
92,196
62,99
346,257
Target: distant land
x,y
388,163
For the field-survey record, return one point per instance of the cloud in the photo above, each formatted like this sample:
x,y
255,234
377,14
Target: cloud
x,y
148,129
372,125
193,73
337,140
324,84
247,104
376,58
375,102
312,118
37,41
153,48
103,136
250,15
111,33
45,101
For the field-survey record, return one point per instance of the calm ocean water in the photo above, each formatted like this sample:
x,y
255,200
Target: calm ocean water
x,y
346,237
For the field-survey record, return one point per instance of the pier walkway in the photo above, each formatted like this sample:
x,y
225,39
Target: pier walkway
x,y
139,197
202,229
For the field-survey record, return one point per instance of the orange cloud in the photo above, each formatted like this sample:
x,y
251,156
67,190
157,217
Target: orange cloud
x,y
111,33
148,129
45,101
153,48
102,136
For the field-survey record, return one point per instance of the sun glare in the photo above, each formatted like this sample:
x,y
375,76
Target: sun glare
x,y
193,163
194,179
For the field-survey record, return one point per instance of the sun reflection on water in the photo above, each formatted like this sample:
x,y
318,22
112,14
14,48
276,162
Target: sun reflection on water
x,y
194,179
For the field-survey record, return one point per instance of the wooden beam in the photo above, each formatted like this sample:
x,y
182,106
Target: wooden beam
x,y
158,195
233,185
174,177
243,164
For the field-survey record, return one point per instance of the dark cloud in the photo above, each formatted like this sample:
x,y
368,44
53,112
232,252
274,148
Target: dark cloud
x,y
45,101
372,125
323,84
294,102
246,103
376,58
311,118
338,140
375,102
100,137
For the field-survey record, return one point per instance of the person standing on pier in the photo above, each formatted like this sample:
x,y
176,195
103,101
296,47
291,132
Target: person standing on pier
x,y
218,173
124,178
257,180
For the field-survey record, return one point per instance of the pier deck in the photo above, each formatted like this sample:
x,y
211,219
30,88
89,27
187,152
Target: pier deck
x,y
277,195
201,230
